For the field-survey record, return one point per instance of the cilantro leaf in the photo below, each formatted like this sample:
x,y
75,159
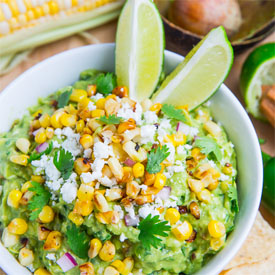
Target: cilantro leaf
x,y
233,196
78,241
155,158
64,98
106,83
36,156
64,162
111,119
151,227
39,200
174,113
209,145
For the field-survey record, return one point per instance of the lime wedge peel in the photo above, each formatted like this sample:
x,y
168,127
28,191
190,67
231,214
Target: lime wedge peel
x,y
201,73
140,44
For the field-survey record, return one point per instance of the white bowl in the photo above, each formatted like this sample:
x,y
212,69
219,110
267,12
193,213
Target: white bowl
x,y
63,69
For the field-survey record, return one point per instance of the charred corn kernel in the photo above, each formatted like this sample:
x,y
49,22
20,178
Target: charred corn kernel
x,y
114,194
91,90
119,265
111,97
86,141
116,168
38,179
138,170
227,169
202,171
83,208
121,91
23,145
150,191
212,128
109,270
20,159
195,185
216,244
129,265
49,132
116,139
204,196
132,189
78,95
68,120
100,202
87,269
53,241
35,124
160,181
25,187
213,185
76,218
45,120
100,104
216,229
14,198
43,232
40,136
108,251
25,256
85,114
55,119
9,239
81,165
26,197
37,113
83,103
102,191
142,199
196,154
41,271
18,226
156,108
149,178
46,215
183,231
127,125
94,123
172,215
80,126
87,131
127,174
194,209
85,192
95,246
97,113
71,109
179,138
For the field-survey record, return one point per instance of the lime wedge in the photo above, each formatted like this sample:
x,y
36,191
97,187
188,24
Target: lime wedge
x,y
200,74
258,70
139,48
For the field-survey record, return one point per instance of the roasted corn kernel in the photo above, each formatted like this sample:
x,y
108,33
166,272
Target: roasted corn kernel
x,y
129,265
97,113
75,218
23,145
108,251
85,192
9,239
55,118
127,125
172,215
156,108
216,229
20,159
91,90
78,95
183,231
116,168
87,269
82,165
68,120
149,178
194,209
14,198
100,104
41,271
216,244
95,246
160,181
121,91
18,226
100,202
204,196
119,265
37,178
25,256
53,241
46,215
45,121
49,132
43,232
40,136
109,270
86,141
84,208
195,185
138,170
132,189
80,126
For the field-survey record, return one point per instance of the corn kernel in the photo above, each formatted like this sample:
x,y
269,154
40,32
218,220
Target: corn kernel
x,y
38,179
138,170
9,239
183,231
37,113
45,121
132,189
204,196
43,232
85,114
127,174
196,154
111,97
25,256
53,6
14,198
84,208
114,194
129,265
68,120
100,104
127,125
49,132
55,119
84,103
108,251
97,113
160,181
78,95
227,169
116,139
23,145
195,185
80,126
18,226
100,202
109,270
121,91
216,244
41,271
87,269
53,241
91,90
86,141
40,136
172,215
82,165
119,265
156,108
212,128
87,131
116,168
216,229
85,192
76,218
20,159
143,199
95,246
26,197
46,215
149,178
194,209
178,139
35,124
146,104
25,187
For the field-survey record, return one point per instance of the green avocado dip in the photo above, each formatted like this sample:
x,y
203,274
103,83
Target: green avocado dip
x,y
93,182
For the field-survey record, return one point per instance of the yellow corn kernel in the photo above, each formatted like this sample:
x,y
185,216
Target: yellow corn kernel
x,y
129,265
85,192
116,168
82,104
119,265
109,270
183,107
132,189
212,128
38,179
40,136
146,104
111,97
213,185
108,251
91,90
100,104
53,7
85,114
86,141
216,229
196,154
37,113
78,95
94,123
35,124
178,138
195,185
95,246
68,120
127,174
149,178
23,145
100,202
216,244
160,181
25,187
121,91
156,108
76,218
18,226
81,165
71,109
97,113
25,256
183,231
143,199
53,241
204,196
87,131
49,132
41,271
80,126
160,209
9,239
150,190
172,215
116,139
46,215
138,170
26,197
127,125
202,171
20,159
43,232
101,218
195,210
83,208
87,269
14,198
227,169
45,121
55,118
114,194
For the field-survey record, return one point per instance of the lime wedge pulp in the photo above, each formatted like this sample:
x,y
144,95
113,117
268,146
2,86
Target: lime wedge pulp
x,y
258,70
139,48
200,74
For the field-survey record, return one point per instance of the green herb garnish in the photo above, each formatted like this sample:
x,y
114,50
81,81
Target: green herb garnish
x,y
64,98
106,83
64,162
174,113
111,119
36,156
155,158
233,196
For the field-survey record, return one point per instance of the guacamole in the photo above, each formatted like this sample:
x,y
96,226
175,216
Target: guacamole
x,y
93,182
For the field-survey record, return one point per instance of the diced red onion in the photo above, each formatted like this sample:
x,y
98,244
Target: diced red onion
x,y
131,221
129,162
42,147
178,126
67,262
164,193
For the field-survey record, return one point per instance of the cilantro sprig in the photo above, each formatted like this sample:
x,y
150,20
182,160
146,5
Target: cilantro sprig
x,y
39,200
106,83
64,162
155,158
151,227
233,196
36,156
174,113
78,241
111,119
209,145
64,98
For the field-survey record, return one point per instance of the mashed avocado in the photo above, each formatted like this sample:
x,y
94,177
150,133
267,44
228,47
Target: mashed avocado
x,y
121,173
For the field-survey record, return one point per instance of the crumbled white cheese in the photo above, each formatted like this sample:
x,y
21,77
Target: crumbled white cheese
x,y
54,185
212,163
118,209
69,191
200,112
97,97
91,106
150,117
162,129
131,211
58,132
87,153
143,187
172,151
147,133
122,237
56,144
102,150
187,130
72,144
127,112
86,177
51,257
224,177
180,150
105,181
147,209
